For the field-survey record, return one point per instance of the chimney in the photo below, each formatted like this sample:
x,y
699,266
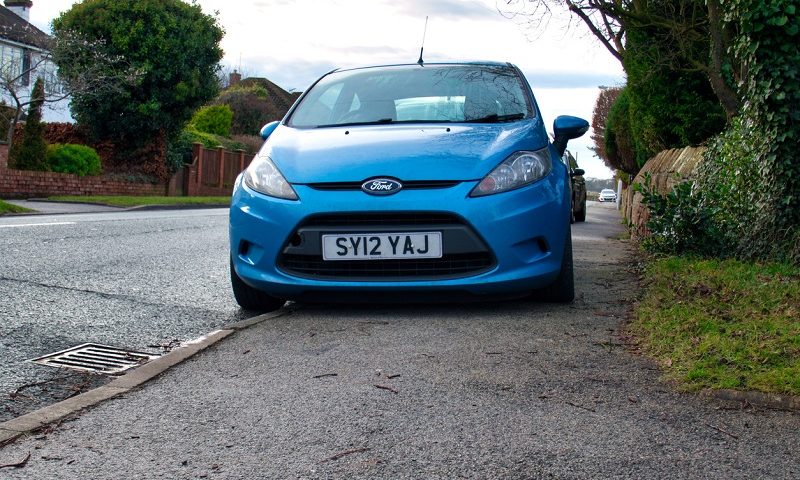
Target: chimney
x,y
21,7
235,78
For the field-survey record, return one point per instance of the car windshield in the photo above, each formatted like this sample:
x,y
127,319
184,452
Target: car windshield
x,y
413,93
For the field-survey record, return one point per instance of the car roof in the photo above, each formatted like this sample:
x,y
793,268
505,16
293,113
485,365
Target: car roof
x,y
431,64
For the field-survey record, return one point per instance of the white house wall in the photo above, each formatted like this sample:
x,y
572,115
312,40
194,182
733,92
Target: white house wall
x,y
11,63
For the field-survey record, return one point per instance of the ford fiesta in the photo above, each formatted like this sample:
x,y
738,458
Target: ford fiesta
x,y
407,182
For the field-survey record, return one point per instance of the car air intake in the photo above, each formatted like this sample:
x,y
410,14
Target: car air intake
x,y
464,253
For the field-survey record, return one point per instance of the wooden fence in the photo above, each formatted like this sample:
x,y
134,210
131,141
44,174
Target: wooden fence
x,y
212,171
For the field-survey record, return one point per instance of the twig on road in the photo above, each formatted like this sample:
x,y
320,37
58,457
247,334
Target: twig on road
x,y
326,375
384,387
19,464
344,454
721,430
581,406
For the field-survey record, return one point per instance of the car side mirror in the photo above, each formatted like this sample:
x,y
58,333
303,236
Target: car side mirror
x,y
565,128
267,129
578,172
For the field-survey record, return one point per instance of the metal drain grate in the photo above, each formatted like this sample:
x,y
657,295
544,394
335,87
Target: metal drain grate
x,y
92,357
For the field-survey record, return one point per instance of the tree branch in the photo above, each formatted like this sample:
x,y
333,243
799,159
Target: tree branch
x,y
595,31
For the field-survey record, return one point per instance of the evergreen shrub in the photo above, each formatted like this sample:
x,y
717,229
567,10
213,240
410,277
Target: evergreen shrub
x,y
76,159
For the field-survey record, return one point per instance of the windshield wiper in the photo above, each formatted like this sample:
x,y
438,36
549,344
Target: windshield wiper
x,y
495,118
379,121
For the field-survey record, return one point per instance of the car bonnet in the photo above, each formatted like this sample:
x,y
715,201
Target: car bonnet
x,y
406,151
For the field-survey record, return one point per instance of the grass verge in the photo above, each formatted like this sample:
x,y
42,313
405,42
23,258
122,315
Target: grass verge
x,y
10,208
119,201
723,323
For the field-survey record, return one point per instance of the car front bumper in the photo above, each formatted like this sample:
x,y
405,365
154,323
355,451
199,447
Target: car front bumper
x,y
524,231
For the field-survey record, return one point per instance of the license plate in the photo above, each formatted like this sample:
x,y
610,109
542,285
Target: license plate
x,y
381,246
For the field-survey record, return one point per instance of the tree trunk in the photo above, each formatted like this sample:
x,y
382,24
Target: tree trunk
x,y
727,96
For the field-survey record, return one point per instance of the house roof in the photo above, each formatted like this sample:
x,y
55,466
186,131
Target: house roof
x,y
16,29
278,97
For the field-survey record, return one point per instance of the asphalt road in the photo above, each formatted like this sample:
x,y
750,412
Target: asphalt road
x,y
132,280
503,390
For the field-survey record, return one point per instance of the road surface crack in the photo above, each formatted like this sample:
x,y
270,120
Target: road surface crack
x,y
111,296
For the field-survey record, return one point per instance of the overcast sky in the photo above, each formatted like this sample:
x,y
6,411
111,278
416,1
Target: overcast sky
x,y
293,42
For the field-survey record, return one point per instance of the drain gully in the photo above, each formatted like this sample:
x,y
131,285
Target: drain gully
x,y
95,358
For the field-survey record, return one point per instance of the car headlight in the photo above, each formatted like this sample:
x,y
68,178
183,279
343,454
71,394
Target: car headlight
x,y
520,169
263,176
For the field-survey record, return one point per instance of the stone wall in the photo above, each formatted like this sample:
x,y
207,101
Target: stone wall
x,y
666,170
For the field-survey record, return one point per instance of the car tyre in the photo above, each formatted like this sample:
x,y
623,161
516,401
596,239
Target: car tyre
x,y
581,216
250,298
562,290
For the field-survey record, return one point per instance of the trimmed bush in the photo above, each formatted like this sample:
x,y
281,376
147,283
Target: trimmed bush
x,y
76,159
30,153
214,119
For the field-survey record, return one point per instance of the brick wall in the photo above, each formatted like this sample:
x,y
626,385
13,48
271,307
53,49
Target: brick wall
x,y
26,184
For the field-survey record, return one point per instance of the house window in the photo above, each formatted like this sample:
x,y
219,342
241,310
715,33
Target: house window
x,y
11,62
26,68
49,73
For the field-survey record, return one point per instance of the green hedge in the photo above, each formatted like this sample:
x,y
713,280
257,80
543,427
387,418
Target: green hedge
x,y
213,119
76,159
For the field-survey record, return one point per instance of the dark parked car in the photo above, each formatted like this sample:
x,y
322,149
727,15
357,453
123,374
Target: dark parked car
x,y
578,187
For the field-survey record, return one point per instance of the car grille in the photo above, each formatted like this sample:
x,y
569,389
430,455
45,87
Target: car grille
x,y
382,219
449,266
409,185
310,264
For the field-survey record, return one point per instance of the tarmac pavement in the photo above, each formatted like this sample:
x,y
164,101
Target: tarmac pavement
x,y
48,207
491,390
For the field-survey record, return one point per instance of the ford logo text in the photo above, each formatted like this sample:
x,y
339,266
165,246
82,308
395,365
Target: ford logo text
x,y
381,186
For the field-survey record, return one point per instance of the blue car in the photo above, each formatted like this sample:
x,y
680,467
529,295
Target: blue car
x,y
406,182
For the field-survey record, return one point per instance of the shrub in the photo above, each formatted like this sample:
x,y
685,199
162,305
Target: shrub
x,y
76,159
619,141
31,152
214,119
6,117
250,143
683,222
251,108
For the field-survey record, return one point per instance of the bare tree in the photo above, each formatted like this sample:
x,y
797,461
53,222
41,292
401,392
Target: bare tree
x,y
681,23
103,73
15,82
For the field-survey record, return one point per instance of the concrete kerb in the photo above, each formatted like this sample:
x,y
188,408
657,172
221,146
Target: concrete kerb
x,y
138,208
30,422
178,206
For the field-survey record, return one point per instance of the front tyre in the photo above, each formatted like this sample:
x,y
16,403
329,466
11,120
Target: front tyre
x,y
250,298
581,216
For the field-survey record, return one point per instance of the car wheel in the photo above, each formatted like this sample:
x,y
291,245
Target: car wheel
x,y
581,216
562,290
250,298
